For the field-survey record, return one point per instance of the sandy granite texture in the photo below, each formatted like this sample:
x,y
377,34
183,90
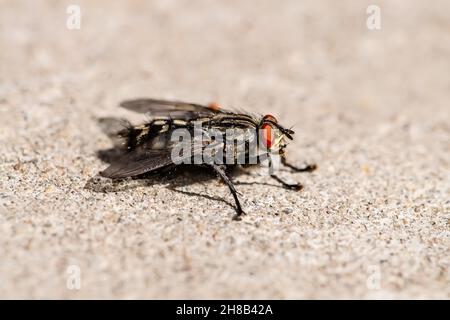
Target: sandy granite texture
x,y
371,108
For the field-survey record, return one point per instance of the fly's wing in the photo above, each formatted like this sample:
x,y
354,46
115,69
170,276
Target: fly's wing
x,y
173,109
137,162
149,156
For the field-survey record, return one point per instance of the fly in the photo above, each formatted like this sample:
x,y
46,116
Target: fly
x,y
213,137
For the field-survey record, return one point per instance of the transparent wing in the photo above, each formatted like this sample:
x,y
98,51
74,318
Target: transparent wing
x,y
148,157
137,162
174,109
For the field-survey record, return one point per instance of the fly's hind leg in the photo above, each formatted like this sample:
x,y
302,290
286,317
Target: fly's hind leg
x,y
221,172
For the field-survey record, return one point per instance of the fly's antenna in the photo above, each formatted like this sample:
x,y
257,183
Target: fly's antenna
x,y
294,125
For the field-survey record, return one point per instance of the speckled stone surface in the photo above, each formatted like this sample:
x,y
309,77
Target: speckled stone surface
x,y
371,108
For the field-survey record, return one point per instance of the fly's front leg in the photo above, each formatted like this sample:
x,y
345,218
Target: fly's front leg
x,y
221,172
290,186
306,168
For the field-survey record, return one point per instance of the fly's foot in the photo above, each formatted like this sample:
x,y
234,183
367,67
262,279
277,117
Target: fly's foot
x,y
308,168
290,186
238,215
294,186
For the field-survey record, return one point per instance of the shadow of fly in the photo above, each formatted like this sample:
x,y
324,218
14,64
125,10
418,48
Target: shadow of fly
x,y
202,135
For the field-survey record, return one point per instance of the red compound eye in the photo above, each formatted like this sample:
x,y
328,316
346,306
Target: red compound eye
x,y
266,132
269,117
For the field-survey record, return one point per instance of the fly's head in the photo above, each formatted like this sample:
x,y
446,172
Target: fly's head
x,y
273,135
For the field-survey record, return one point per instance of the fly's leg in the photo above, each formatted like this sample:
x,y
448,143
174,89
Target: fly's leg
x,y
221,172
306,168
290,186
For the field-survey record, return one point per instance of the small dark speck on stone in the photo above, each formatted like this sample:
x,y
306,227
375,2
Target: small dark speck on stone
x,y
288,210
